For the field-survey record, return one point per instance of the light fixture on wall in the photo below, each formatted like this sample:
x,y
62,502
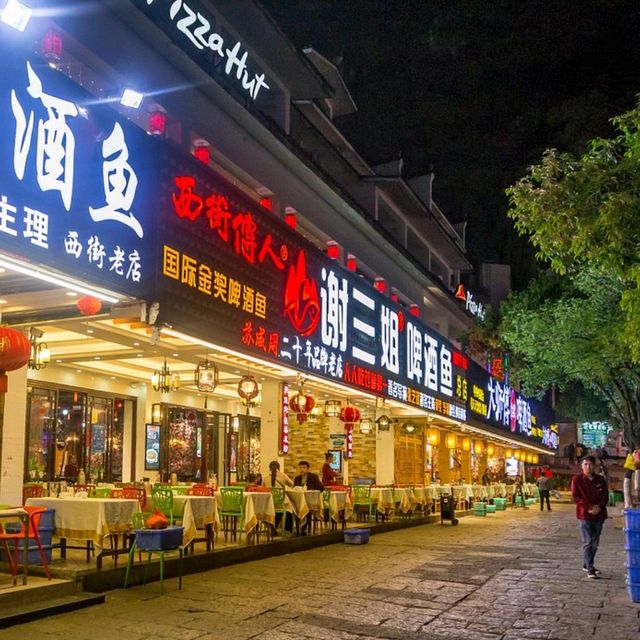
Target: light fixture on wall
x,y
164,381
509,453
410,427
490,450
332,408
384,422
433,437
451,440
466,443
366,425
40,354
477,447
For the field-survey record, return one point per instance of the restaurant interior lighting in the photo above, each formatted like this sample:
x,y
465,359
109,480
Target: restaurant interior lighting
x,y
16,15
206,376
332,408
40,354
451,440
164,381
131,98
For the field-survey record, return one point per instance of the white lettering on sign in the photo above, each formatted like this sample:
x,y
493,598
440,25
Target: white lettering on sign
x,y
473,307
389,340
334,296
197,28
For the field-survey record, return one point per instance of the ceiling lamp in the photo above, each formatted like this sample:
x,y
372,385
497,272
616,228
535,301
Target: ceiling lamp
x,y
490,450
248,388
40,354
384,422
433,437
451,440
51,46
206,376
16,15
366,425
466,443
164,381
477,447
131,98
332,408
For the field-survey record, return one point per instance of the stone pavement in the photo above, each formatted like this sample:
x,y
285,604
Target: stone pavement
x,y
512,575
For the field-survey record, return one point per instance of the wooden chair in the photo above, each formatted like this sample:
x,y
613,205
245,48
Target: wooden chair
x,y
32,491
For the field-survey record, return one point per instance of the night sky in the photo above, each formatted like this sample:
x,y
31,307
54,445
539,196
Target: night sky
x,y
475,90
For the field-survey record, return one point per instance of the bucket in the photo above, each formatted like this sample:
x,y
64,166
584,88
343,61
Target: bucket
x,y
632,519
634,591
355,536
633,556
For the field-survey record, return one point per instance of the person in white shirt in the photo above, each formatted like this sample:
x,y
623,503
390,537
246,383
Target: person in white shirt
x,y
277,478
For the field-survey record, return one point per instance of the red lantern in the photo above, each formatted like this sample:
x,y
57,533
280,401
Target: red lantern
x,y
266,203
414,310
15,351
202,152
52,46
302,405
89,306
349,415
380,285
290,219
333,250
352,262
157,123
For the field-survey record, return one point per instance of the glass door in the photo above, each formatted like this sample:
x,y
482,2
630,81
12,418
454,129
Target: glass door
x,y
41,435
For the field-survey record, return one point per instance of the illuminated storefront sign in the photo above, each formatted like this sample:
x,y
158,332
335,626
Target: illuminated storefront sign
x,y
470,304
500,406
290,302
188,23
74,180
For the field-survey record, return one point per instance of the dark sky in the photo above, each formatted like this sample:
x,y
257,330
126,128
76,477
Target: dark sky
x,y
475,89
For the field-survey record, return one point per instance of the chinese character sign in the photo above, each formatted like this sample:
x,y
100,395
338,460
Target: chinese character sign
x,y
74,180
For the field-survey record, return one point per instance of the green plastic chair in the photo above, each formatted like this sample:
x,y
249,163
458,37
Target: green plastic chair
x,y
361,497
138,520
162,500
100,492
180,490
232,510
278,495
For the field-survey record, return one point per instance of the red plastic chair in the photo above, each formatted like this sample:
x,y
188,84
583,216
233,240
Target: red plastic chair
x,y
13,558
32,491
135,493
83,487
200,490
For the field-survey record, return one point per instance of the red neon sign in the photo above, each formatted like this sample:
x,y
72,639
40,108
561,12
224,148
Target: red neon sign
x,y
301,300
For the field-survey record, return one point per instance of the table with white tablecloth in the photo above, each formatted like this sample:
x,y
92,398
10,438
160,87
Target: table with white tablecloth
x,y
340,505
197,512
89,519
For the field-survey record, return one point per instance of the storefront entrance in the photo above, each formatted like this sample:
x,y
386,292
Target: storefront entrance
x,y
69,430
409,456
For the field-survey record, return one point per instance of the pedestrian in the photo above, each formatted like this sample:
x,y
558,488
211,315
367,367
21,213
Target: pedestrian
x,y
580,451
486,478
518,490
591,494
544,487
571,453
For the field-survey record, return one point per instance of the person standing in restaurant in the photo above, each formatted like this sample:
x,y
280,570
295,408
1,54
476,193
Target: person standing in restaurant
x,y
544,488
591,494
328,474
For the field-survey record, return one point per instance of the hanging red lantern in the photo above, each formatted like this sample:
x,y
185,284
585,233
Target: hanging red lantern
x,y
333,250
157,123
15,351
290,219
414,310
352,262
380,285
266,203
302,404
51,46
202,152
349,415
89,306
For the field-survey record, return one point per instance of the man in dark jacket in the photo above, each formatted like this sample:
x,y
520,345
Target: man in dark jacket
x,y
591,494
310,482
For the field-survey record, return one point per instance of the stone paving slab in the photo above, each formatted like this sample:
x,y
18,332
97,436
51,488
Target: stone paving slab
x,y
514,575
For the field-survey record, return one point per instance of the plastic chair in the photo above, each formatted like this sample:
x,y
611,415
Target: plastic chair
x,y
200,490
162,500
100,492
32,491
232,510
361,500
77,488
17,536
180,491
135,493
150,548
278,495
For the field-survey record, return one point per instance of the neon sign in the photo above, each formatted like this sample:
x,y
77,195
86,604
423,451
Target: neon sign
x,y
197,27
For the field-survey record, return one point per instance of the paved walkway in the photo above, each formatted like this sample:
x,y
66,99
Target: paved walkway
x,y
508,576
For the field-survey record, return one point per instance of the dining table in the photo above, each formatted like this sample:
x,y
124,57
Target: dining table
x,y
90,520
197,512
383,498
340,508
19,514
258,507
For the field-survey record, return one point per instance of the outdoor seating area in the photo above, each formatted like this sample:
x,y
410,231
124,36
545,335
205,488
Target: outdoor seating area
x,y
89,525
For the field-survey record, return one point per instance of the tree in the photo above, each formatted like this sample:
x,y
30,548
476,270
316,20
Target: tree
x,y
568,333
585,213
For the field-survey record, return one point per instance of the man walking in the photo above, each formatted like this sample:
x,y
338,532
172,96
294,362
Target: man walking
x,y
591,494
544,488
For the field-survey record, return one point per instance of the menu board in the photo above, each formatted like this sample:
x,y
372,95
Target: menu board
x,y
152,447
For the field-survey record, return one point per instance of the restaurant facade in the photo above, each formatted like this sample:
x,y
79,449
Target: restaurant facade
x,y
214,278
